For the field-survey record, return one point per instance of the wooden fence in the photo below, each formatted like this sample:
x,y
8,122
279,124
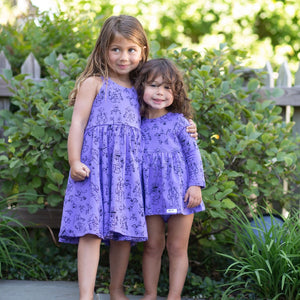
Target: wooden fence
x,y
290,98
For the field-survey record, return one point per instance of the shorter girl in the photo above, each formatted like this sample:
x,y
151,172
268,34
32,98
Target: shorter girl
x,y
172,173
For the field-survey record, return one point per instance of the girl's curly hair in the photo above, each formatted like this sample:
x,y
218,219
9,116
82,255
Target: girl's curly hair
x,y
171,76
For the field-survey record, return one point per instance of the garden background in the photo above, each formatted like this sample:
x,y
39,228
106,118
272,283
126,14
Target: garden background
x,y
250,152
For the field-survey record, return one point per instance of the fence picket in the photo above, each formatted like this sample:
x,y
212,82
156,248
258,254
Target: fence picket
x,y
269,80
31,67
4,63
284,76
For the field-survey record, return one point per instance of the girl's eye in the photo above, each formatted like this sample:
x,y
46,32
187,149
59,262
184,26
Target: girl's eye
x,y
132,50
167,87
115,49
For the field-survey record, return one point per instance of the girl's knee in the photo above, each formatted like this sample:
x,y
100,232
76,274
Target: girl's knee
x,y
176,248
154,247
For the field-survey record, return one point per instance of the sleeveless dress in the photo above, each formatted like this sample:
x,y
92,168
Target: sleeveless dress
x,y
171,164
109,203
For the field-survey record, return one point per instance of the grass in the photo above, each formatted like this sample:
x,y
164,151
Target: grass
x,y
15,251
265,263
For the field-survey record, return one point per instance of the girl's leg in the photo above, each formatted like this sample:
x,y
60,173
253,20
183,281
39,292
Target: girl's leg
x,y
88,260
153,249
179,228
118,257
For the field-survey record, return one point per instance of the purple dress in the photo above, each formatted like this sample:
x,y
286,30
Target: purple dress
x,y
171,164
108,204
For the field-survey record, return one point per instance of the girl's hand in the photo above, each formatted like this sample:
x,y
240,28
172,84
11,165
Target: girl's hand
x,y
192,129
193,196
79,171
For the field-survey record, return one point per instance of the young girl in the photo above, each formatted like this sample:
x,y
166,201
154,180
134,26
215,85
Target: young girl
x,y
172,174
103,199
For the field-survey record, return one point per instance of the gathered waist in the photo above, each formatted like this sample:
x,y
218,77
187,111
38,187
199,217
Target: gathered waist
x,y
90,127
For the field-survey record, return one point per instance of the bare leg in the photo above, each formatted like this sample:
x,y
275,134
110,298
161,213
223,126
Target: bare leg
x,y
88,260
118,257
179,228
153,249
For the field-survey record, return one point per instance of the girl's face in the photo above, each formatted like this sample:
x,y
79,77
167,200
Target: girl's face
x,y
123,56
158,95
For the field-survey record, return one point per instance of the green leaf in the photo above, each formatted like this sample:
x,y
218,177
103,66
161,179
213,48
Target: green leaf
x,y
290,159
221,195
3,158
253,85
225,87
218,214
277,92
54,200
38,131
64,92
228,204
68,113
55,176
209,191
51,59
7,74
250,128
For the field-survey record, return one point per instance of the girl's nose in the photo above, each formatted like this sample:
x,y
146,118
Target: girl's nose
x,y
159,90
124,55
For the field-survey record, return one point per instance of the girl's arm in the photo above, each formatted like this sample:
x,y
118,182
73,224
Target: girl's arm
x,y
82,108
194,165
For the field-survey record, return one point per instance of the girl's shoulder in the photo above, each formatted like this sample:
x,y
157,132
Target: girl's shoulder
x,y
93,83
88,90
179,118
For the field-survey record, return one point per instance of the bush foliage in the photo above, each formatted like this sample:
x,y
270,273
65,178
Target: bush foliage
x,y
34,153
247,149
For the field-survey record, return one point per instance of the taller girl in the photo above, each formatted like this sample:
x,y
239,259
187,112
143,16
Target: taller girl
x,y
104,196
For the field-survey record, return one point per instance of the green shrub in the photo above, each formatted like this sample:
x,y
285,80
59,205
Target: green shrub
x,y
34,154
266,259
247,148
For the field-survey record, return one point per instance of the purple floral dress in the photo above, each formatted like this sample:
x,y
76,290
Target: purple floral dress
x,y
171,164
109,203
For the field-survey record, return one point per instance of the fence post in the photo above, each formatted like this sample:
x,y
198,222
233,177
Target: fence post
x,y
4,91
269,80
31,67
62,67
285,80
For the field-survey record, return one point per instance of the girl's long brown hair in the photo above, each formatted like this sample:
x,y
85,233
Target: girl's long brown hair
x,y
130,28
172,76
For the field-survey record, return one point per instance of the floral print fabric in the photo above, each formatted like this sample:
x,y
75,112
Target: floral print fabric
x,y
171,163
109,203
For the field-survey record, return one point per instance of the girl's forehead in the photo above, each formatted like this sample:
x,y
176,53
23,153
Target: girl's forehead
x,y
121,39
155,75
